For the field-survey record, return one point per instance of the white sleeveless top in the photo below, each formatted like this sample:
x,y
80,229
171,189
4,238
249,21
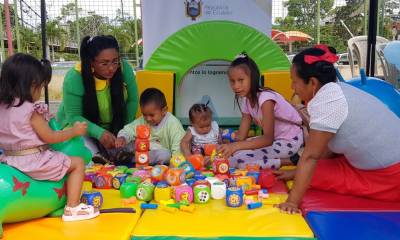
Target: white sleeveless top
x,y
209,138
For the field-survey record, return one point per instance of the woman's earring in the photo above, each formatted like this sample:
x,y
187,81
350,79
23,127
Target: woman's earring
x,y
92,68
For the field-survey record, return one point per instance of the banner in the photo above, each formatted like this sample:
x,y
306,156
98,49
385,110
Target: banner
x,y
162,18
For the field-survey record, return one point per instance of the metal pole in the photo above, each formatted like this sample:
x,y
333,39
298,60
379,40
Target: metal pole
x,y
136,34
78,38
1,35
318,20
382,25
17,26
365,17
8,28
44,42
372,27
22,15
122,9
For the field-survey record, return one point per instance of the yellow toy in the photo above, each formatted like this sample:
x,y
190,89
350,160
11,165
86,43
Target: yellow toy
x,y
176,160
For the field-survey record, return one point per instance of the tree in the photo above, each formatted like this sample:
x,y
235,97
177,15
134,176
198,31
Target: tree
x,y
304,11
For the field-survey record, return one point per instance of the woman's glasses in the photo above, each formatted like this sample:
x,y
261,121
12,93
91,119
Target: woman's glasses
x,y
106,64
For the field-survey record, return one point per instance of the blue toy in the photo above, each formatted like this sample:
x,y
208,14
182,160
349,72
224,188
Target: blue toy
x,y
254,205
234,197
93,198
382,90
118,180
228,135
148,206
188,168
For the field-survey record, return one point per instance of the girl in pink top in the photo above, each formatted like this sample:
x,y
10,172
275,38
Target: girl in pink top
x,y
25,133
281,139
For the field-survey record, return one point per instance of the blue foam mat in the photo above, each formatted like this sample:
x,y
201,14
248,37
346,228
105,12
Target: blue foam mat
x,y
355,225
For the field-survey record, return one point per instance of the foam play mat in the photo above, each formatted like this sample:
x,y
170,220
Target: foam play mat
x,y
316,200
113,226
215,220
355,225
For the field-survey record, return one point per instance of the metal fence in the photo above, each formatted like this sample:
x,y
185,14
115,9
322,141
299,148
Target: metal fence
x,y
297,24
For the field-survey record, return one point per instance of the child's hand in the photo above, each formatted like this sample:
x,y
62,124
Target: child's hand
x,y
226,150
79,128
285,175
120,142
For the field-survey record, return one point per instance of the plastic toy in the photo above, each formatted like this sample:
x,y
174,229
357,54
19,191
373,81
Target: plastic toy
x,y
90,176
145,191
266,178
209,148
158,173
189,209
162,192
134,179
234,197
251,192
103,181
168,209
202,182
143,174
252,167
218,190
176,160
121,169
175,176
188,168
166,202
93,198
142,145
244,182
262,194
202,193
197,160
220,166
254,175
87,186
127,201
228,135
130,171
118,180
183,192
254,205
128,189
148,206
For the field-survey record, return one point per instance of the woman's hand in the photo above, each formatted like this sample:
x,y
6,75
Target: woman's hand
x,y
79,128
107,140
285,175
120,142
227,150
289,207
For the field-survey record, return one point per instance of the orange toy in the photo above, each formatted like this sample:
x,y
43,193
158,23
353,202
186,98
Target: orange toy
x,y
175,176
143,131
209,148
197,160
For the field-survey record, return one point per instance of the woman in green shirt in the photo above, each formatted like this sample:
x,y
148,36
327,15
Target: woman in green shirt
x,y
100,90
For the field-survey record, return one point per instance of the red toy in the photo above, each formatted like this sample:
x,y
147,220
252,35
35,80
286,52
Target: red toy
x,y
221,166
103,180
209,148
142,145
197,160
266,179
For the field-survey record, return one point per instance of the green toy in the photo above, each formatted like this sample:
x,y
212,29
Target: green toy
x,y
145,191
23,198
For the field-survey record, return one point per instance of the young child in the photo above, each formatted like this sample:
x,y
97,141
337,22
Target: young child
x,y
282,137
203,130
25,133
166,130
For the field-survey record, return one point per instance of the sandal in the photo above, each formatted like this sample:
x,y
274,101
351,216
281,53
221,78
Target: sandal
x,y
80,212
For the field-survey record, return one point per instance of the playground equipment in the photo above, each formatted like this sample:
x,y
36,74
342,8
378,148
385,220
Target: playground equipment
x,y
382,90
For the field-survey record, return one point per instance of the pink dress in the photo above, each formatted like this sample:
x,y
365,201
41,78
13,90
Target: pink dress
x,y
16,133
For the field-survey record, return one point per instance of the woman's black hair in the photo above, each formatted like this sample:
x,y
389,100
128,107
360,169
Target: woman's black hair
x,y
89,49
200,109
322,70
251,69
19,74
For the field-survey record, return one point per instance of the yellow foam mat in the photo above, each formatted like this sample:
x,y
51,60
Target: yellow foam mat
x,y
106,226
215,219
